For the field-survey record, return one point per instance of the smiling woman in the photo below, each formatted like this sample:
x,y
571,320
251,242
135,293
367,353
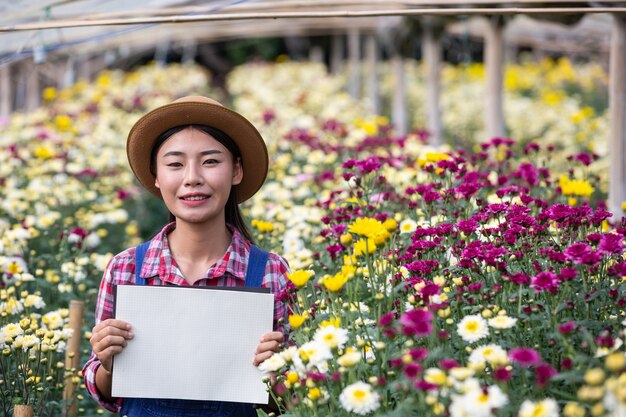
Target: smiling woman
x,y
201,159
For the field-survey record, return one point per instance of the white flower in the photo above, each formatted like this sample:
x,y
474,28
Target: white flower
x,y
359,398
491,353
52,320
502,322
545,408
472,328
35,301
11,330
331,336
350,358
26,342
313,354
408,226
478,402
272,364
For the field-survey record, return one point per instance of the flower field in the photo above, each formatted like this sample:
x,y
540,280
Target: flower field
x,y
482,278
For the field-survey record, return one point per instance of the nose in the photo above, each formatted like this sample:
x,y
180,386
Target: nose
x,y
192,175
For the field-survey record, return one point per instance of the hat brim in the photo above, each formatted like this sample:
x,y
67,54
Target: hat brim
x,y
149,127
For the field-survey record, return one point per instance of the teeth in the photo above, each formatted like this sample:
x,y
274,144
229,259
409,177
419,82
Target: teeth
x,y
195,198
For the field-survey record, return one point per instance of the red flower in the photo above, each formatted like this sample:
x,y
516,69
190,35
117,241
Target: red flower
x,y
525,356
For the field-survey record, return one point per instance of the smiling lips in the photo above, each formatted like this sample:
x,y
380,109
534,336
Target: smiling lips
x,y
194,197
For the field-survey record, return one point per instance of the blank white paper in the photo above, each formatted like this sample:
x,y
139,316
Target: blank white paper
x,y
191,343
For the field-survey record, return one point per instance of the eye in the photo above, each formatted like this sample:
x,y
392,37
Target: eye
x,y
211,161
174,164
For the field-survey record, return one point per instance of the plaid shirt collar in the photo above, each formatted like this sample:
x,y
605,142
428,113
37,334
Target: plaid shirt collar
x,y
159,261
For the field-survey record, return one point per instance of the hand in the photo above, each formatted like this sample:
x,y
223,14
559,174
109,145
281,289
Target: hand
x,y
108,339
269,343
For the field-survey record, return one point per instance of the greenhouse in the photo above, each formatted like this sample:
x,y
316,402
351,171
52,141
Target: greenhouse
x,y
387,208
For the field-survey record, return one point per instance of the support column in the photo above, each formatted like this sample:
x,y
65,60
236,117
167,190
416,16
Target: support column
x,y
398,107
6,91
617,106
354,54
337,54
494,74
316,54
33,92
372,56
431,48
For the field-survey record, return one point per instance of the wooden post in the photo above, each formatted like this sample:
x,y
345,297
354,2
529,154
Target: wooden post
x,y
337,54
431,48
316,54
354,55
398,107
6,92
371,56
494,74
23,410
617,105
72,357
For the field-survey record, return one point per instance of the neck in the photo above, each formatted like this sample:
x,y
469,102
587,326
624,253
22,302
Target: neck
x,y
206,242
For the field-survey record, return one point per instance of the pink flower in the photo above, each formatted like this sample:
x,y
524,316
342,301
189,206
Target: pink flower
x,y
543,373
544,281
525,356
611,243
411,370
502,374
417,322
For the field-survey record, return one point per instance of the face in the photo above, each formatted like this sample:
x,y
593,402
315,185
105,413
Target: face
x,y
195,174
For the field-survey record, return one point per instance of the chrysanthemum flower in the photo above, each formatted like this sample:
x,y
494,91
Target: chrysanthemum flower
x,y
525,356
545,408
502,322
363,246
492,354
350,358
331,336
296,320
314,354
473,328
408,226
359,398
335,282
272,364
300,277
478,402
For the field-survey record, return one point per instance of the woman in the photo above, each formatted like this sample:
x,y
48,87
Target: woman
x,y
202,159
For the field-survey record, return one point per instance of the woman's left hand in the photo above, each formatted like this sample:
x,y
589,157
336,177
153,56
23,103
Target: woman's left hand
x,y
269,343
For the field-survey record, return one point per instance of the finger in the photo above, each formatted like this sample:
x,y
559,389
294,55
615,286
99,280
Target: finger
x,y
97,336
271,346
110,340
120,324
278,336
261,357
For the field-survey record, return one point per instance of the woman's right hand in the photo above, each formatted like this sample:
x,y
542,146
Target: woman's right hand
x,y
108,338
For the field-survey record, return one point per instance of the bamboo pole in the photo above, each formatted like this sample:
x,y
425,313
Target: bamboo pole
x,y
23,410
371,57
337,54
431,47
398,108
310,14
31,76
72,357
617,106
494,74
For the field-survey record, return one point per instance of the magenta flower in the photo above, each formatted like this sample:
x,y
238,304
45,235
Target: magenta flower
x,y
502,374
567,328
467,226
577,252
525,356
543,373
411,370
611,243
417,322
545,281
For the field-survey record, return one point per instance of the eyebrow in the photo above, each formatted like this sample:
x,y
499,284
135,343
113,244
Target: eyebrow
x,y
203,153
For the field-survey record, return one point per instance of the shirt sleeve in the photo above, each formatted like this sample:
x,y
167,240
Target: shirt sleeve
x,y
276,279
104,310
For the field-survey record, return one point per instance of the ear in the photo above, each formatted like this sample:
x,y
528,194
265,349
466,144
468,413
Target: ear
x,y
156,183
237,172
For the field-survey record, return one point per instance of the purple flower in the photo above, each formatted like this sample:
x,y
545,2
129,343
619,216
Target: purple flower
x,y
611,243
411,370
417,322
525,356
543,373
567,328
544,281
577,252
467,226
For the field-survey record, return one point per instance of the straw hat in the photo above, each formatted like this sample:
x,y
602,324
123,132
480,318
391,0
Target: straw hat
x,y
200,111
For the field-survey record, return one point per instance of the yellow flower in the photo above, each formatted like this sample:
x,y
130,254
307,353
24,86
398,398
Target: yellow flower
x,y
333,321
300,277
49,93
573,409
594,376
363,246
390,224
615,361
292,377
263,226
435,376
63,122
334,283
345,239
432,157
296,320
43,152
575,187
350,358
369,227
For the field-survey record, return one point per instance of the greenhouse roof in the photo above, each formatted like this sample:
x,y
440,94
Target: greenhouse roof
x,y
39,27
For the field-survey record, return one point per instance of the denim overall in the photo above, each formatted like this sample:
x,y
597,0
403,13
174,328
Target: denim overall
x,y
150,407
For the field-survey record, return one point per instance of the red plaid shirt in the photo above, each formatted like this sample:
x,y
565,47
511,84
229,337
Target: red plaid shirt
x,y
160,268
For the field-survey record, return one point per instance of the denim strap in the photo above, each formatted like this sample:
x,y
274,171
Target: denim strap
x,y
256,267
140,253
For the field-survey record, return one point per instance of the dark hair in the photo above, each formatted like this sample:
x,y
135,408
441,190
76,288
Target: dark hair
x,y
233,214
